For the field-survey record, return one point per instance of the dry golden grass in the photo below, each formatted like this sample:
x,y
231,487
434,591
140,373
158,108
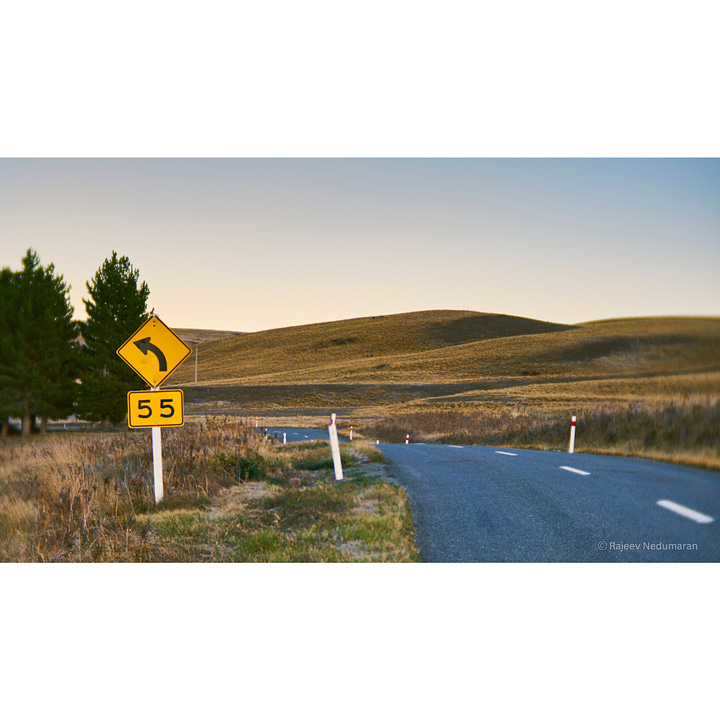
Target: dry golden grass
x,y
681,432
300,514
371,368
317,349
230,495
407,348
78,496
561,396
371,364
193,336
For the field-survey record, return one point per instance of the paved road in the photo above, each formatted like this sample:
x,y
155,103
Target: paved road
x,y
480,504
294,434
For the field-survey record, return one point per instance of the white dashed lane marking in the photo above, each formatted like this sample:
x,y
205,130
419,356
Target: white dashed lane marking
x,y
573,470
687,512
501,452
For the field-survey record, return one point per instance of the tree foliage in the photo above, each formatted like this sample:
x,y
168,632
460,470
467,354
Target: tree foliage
x,y
116,308
9,312
37,356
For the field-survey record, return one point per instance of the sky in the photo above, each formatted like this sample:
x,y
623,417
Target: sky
x,y
259,243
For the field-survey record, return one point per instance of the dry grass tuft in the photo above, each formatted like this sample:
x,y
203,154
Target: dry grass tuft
x,y
683,432
231,495
80,497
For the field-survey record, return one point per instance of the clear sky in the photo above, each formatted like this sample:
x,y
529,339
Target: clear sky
x,y
251,244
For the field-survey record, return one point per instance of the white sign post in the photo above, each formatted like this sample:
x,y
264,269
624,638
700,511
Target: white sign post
x,y
157,460
157,463
335,448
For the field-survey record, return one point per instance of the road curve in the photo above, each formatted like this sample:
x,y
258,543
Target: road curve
x,y
296,434
483,504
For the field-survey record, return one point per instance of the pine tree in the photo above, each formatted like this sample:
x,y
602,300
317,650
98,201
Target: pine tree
x,y
117,307
37,356
8,321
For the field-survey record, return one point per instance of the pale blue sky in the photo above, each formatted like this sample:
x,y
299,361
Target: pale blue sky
x,y
262,243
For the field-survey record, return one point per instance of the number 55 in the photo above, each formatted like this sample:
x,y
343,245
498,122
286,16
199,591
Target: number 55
x,y
155,408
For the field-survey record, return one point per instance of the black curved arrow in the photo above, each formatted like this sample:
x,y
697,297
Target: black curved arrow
x,y
144,345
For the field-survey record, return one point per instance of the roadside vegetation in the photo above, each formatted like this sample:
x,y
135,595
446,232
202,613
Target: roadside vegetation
x,y
648,387
685,432
230,495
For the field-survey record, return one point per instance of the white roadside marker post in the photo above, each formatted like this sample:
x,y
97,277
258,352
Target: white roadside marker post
x,y
571,449
407,439
284,438
351,429
335,448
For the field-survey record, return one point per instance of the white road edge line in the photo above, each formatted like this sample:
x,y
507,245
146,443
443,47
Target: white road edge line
x,y
575,470
698,517
500,452
459,447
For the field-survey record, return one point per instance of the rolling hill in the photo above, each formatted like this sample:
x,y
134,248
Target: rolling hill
x,y
193,337
452,356
320,346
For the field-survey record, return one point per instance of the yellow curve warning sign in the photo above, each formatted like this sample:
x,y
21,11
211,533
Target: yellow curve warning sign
x,y
153,351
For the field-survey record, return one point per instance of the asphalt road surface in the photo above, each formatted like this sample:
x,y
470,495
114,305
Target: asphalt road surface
x,y
294,434
486,504
483,504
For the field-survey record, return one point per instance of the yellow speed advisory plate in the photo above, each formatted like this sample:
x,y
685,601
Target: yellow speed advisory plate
x,y
155,408
153,351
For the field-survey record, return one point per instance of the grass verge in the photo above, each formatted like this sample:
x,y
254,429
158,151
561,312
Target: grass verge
x,y
230,496
680,432
298,513
358,520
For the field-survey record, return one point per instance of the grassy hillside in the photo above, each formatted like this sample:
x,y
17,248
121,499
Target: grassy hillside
x,y
368,365
194,336
324,345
